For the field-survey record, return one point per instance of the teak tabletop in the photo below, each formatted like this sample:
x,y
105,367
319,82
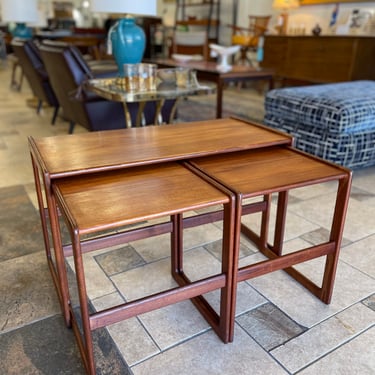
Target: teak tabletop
x,y
108,189
69,155
271,168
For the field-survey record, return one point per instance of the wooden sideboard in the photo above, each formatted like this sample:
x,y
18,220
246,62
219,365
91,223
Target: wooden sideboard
x,y
320,59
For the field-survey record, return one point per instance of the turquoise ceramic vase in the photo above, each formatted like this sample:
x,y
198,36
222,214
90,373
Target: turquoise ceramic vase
x,y
128,43
22,31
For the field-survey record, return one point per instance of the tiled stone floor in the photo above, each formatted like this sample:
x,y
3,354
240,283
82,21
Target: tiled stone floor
x,y
280,327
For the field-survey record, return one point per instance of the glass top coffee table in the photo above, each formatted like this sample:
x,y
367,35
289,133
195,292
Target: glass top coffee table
x,y
112,89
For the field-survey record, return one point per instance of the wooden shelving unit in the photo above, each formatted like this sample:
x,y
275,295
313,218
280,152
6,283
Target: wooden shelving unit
x,y
211,20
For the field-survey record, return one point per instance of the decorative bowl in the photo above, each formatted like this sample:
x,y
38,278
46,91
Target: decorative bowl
x,y
185,58
167,75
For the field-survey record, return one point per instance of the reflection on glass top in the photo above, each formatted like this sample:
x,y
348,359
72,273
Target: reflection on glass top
x,y
115,89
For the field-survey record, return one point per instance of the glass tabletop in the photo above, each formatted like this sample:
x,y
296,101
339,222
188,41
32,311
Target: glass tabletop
x,y
113,89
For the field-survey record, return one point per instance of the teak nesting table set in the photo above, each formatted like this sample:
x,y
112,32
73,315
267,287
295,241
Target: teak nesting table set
x,y
102,182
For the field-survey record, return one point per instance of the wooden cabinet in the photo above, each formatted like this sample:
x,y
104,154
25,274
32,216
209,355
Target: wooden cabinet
x,y
320,59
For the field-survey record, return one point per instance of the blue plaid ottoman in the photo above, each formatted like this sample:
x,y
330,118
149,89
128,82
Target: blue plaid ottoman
x,y
333,121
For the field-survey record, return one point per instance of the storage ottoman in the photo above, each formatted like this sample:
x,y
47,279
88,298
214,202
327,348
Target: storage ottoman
x,y
333,121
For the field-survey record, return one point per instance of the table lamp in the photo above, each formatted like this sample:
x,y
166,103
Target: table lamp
x,y
20,12
128,40
284,6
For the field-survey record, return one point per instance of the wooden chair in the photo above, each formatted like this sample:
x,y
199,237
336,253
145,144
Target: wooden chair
x,y
190,43
248,37
87,44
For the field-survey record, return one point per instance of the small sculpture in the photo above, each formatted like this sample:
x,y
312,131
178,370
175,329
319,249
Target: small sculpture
x,y
355,19
316,30
223,54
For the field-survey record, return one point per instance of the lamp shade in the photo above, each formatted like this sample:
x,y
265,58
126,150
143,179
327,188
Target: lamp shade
x,y
285,4
145,7
19,11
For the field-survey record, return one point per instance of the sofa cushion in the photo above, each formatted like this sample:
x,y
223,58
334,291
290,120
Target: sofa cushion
x,y
336,108
353,150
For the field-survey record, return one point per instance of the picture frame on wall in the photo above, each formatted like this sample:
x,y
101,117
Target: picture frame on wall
x,y
315,2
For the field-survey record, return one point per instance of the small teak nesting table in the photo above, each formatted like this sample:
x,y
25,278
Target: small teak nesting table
x,y
105,181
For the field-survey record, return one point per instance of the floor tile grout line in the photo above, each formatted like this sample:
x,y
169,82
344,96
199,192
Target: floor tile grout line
x,y
333,349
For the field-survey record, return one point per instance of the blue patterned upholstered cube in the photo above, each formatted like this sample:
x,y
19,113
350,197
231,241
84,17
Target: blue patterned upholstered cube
x,y
333,121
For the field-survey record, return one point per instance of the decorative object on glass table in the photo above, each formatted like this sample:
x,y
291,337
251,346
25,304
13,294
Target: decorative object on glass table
x,y
127,40
129,77
139,77
181,77
167,75
147,77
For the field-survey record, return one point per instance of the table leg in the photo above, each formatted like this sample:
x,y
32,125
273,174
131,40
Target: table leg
x,y
282,204
128,117
58,271
177,246
85,344
271,83
343,192
264,229
158,118
173,111
219,98
59,254
42,213
139,121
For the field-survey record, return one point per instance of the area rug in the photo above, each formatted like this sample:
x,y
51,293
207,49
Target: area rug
x,y
247,103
